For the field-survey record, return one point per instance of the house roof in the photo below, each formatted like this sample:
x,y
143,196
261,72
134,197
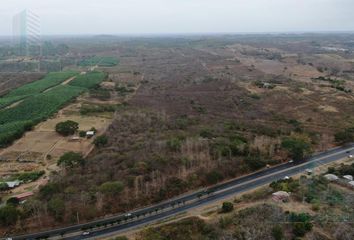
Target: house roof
x,y
281,194
348,177
90,133
24,195
331,177
13,184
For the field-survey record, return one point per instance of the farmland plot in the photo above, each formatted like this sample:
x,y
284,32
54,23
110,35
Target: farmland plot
x,y
99,61
22,117
51,80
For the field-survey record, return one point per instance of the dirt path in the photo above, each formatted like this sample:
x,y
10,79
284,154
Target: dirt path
x,y
63,83
47,90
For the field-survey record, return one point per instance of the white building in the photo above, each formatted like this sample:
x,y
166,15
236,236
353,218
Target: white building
x,y
348,177
331,177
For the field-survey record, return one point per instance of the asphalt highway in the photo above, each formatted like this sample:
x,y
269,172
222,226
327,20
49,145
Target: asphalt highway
x,y
172,207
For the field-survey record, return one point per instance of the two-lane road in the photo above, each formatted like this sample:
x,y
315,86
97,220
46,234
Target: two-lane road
x,y
186,202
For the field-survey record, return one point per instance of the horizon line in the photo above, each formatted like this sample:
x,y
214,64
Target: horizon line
x,y
192,33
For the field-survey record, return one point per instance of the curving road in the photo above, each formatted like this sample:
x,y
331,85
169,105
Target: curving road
x,y
111,225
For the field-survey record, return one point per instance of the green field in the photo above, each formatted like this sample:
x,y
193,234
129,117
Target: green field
x,y
88,80
35,108
99,61
30,89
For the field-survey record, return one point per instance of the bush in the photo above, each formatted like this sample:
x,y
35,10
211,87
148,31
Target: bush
x,y
227,207
214,177
56,208
13,201
82,134
71,159
30,176
289,185
298,148
8,215
48,190
278,232
100,141
255,161
173,187
111,188
206,133
4,186
300,228
346,136
301,223
67,128
174,144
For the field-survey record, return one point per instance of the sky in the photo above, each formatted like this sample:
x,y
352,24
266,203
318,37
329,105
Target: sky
x,y
182,16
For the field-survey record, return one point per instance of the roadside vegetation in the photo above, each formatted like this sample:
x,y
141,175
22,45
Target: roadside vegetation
x,y
316,209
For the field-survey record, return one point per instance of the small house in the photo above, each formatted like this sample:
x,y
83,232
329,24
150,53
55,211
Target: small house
x,y
13,184
23,196
280,196
348,177
75,139
331,177
90,134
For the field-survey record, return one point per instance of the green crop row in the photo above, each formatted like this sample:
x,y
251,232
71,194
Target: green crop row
x,y
18,119
41,106
30,89
88,80
99,61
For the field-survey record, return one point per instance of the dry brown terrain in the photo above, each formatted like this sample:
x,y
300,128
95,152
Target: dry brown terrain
x,y
193,112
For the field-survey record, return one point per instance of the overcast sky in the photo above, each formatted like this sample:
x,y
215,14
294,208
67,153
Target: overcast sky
x,y
182,16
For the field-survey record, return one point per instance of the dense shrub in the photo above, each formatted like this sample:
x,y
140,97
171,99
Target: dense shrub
x,y
345,136
287,185
71,159
111,188
175,143
214,177
101,141
4,186
30,176
56,208
301,223
298,148
67,128
48,190
227,207
13,201
277,232
8,215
